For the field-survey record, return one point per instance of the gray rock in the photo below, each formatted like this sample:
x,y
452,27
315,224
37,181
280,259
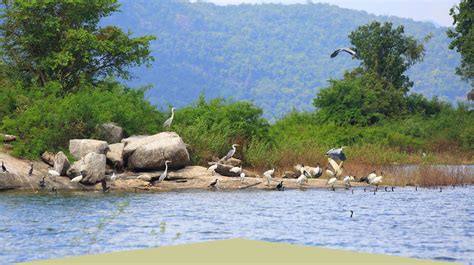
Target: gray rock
x,y
151,152
234,162
110,132
290,174
93,167
115,155
81,147
48,158
61,163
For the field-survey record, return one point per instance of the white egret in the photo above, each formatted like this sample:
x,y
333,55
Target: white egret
x,y
168,122
302,179
332,182
347,181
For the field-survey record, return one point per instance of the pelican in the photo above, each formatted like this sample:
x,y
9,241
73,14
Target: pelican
x,y
347,181
280,186
242,177
113,177
377,180
31,170
231,153
77,179
268,175
337,153
348,50
213,184
168,122
236,169
212,169
3,167
336,167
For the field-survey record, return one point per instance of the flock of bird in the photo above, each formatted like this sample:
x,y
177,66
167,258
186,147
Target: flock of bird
x,y
334,171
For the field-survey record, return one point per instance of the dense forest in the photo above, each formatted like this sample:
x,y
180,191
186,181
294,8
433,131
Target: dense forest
x,y
274,55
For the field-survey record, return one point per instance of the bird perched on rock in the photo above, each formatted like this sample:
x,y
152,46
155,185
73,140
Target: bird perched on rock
x,y
31,170
212,169
42,183
168,122
231,152
104,186
337,153
4,168
280,186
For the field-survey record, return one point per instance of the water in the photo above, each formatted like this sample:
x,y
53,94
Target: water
x,y
421,224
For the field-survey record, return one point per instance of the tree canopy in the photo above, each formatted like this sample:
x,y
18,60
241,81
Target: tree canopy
x,y
463,37
62,41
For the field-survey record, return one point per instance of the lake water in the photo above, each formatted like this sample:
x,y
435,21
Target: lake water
x,y
422,224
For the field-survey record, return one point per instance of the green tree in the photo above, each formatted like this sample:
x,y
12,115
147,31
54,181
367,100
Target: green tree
x,y
387,51
43,41
463,37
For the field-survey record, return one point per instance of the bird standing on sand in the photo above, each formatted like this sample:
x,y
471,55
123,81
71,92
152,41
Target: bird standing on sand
x,y
163,175
104,186
377,180
213,184
31,170
369,177
42,183
231,153
268,175
3,167
347,181
168,122
280,186
242,177
337,153
348,50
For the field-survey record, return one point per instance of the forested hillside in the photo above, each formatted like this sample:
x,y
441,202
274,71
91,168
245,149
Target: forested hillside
x,y
276,55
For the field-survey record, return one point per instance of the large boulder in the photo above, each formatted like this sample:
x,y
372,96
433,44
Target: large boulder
x,y
81,147
115,155
61,163
151,152
110,132
91,165
48,158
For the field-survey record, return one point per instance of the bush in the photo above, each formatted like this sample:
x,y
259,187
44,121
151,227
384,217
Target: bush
x,y
48,123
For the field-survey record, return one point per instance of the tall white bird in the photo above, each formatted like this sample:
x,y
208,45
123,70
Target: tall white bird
x,y
165,173
348,50
168,122
369,177
231,153
236,169
302,179
242,177
268,175
77,179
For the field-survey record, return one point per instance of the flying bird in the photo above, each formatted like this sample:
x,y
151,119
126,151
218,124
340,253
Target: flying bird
x,y
348,50
336,167
168,122
337,153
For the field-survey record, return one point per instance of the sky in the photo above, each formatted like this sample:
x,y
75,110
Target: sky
x,y
436,11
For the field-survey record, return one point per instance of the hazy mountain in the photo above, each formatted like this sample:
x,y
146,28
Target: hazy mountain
x,y
276,55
